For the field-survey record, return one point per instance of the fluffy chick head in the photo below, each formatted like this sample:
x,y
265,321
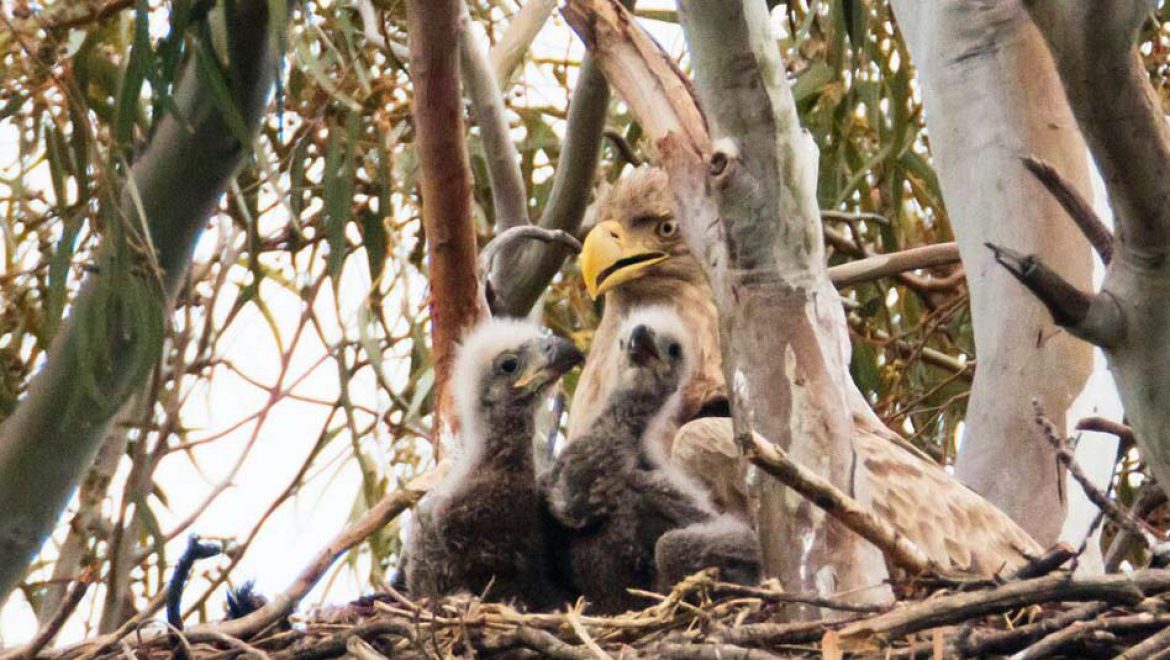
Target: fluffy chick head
x,y
504,365
657,351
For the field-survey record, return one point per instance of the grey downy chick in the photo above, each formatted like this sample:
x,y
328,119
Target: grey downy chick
x,y
483,529
616,495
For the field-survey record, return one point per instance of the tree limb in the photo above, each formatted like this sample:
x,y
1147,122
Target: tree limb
x,y
1077,207
509,50
509,197
1096,319
884,265
1095,48
445,185
1127,589
50,440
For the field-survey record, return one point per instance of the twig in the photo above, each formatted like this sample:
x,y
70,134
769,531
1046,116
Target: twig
x,y
583,634
1107,505
47,632
1006,641
1077,207
487,256
900,550
619,142
884,265
1123,432
780,596
708,651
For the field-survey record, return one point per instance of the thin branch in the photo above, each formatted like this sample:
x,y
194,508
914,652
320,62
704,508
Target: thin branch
x,y
1150,497
487,256
509,197
900,550
1152,647
1077,207
46,634
1123,431
884,265
623,147
1100,499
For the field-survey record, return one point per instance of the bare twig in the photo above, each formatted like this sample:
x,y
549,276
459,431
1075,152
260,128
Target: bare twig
x,y
1077,207
1096,319
1150,497
619,142
1103,502
1152,647
47,632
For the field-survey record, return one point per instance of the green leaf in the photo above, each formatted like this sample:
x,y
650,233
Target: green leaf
x,y
137,69
340,163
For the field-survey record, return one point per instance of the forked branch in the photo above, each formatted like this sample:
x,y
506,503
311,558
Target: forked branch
x,y
1096,319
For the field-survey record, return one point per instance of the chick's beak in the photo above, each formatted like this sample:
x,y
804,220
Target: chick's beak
x,y
610,257
555,356
641,348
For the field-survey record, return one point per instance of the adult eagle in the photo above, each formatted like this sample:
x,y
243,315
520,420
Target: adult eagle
x,y
636,257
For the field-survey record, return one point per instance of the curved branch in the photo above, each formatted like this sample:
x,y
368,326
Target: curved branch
x,y
50,440
884,265
509,51
1077,207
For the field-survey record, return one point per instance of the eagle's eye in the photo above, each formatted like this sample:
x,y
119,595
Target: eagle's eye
x,y
509,365
667,229
674,350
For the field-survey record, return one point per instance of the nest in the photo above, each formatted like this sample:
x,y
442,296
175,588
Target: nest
x,y
1055,615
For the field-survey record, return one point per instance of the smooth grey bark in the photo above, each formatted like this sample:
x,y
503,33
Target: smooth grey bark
x,y
993,97
114,334
1095,46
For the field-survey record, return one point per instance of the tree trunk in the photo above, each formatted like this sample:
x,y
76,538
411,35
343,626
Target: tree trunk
x,y
107,347
992,96
1095,49
445,187
746,198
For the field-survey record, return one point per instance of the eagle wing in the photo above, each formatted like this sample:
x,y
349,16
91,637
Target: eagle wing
x,y
951,523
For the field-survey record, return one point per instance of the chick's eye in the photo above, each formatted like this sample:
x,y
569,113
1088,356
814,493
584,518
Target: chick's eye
x,y
509,365
674,350
667,228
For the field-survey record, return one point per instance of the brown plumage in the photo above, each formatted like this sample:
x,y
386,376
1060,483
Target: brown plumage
x,y
625,508
484,528
635,256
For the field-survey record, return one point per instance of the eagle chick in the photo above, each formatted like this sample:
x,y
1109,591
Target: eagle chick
x,y
615,491
483,528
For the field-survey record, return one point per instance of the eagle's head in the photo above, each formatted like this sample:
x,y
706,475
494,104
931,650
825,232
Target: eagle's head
x,y
504,365
637,235
656,352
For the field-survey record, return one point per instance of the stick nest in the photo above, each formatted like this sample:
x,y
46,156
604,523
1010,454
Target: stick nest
x,y
1055,615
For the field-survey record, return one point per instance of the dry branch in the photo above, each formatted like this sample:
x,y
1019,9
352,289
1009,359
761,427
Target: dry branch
x,y
901,551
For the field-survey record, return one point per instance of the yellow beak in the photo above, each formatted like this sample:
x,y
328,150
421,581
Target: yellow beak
x,y
610,258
